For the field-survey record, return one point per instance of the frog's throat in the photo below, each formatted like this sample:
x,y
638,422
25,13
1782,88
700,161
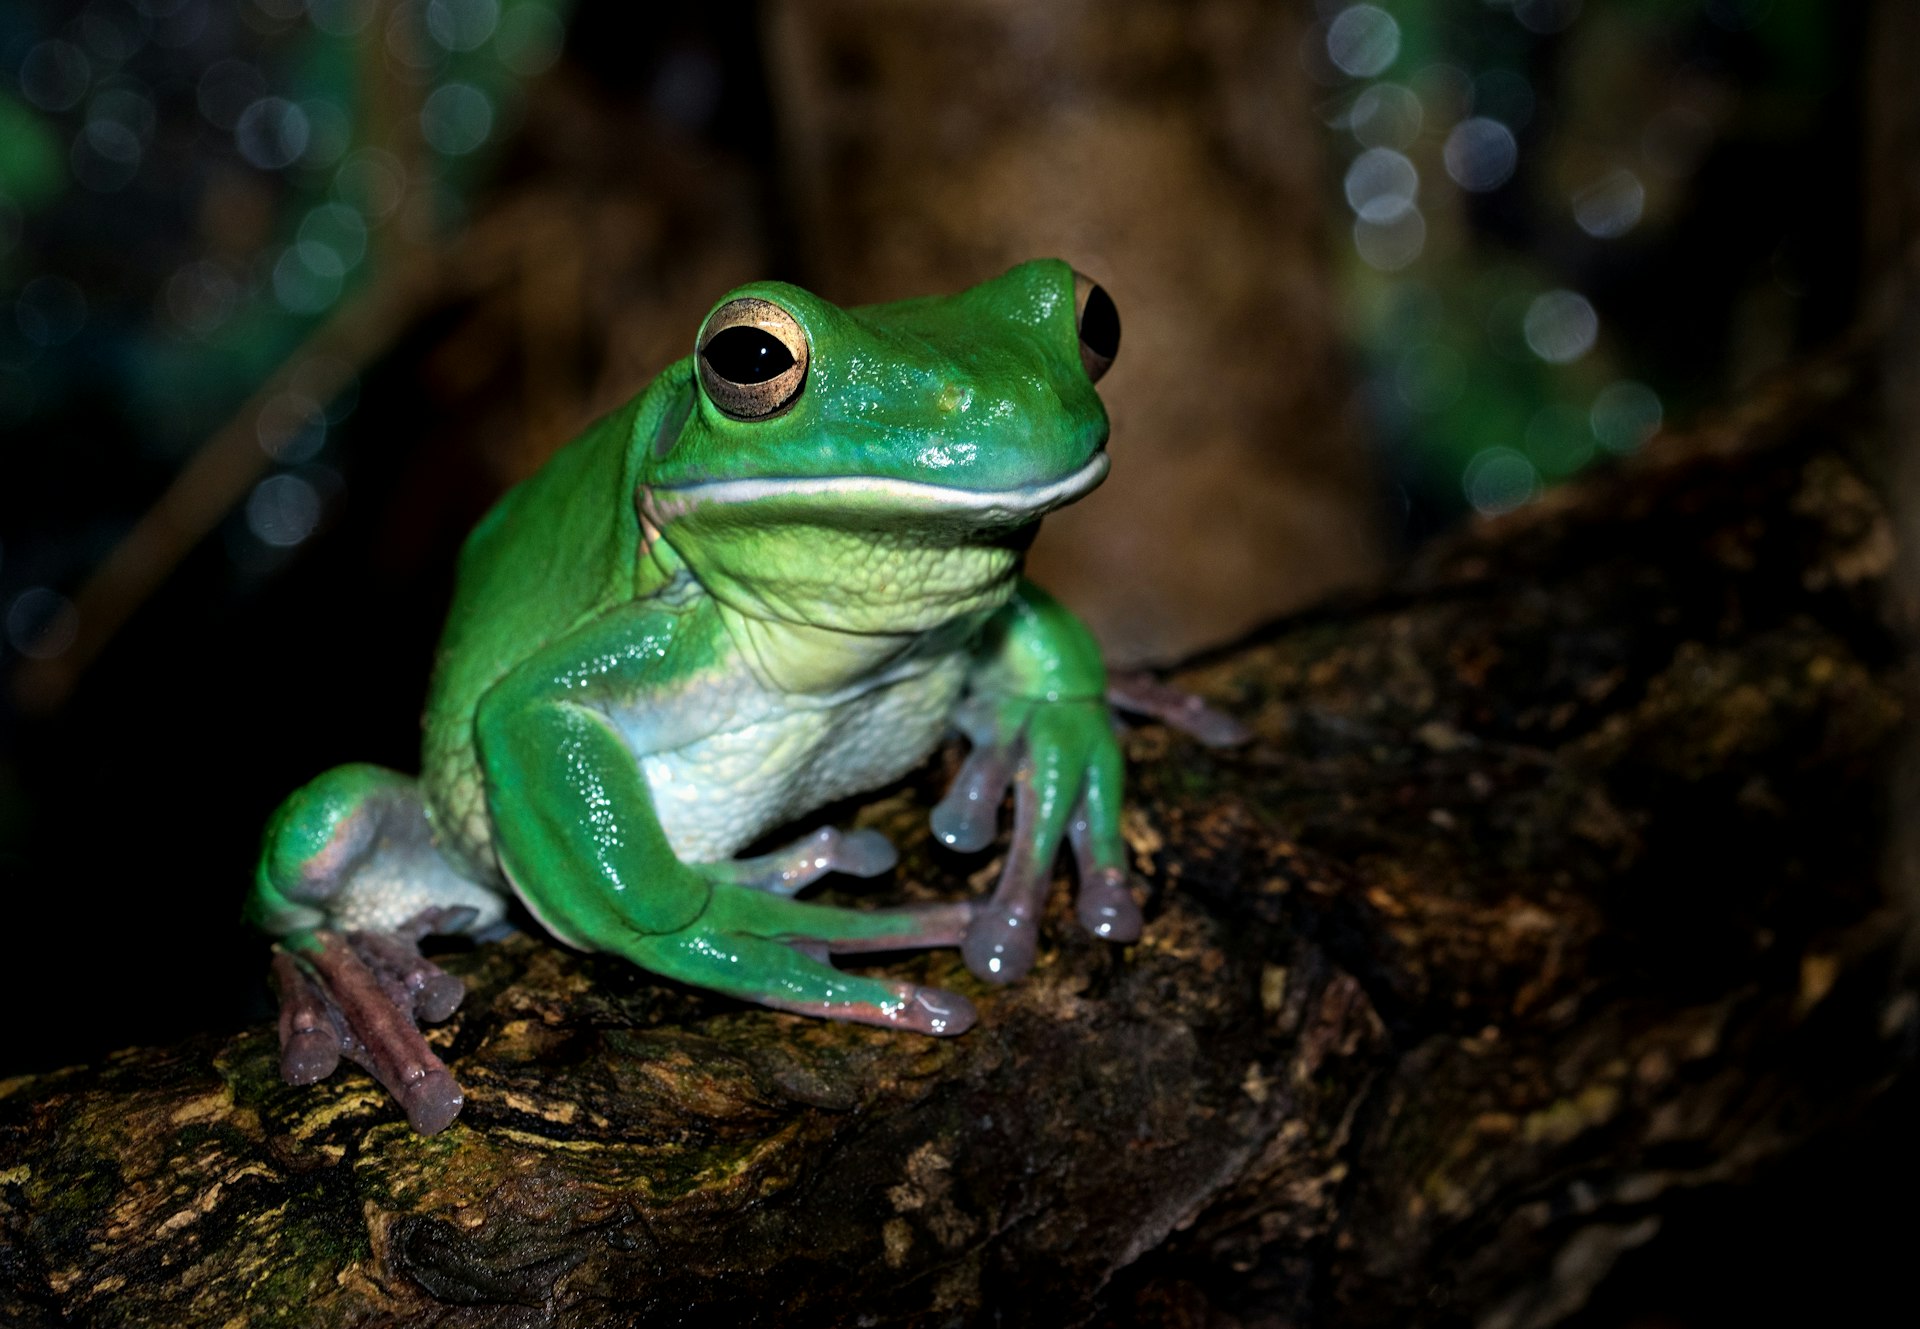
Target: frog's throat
x,y
859,554
904,499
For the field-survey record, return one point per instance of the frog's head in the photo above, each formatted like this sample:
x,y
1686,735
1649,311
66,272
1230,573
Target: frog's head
x,y
883,467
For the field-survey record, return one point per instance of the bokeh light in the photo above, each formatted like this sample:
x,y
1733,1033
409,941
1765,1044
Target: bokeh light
x,y
329,131
456,119
271,133
200,296
1391,245
338,228
41,623
283,510
1560,326
1363,40
373,182
307,278
54,76
1499,479
1610,206
1481,154
462,25
1381,185
291,428
1385,115
1559,440
1625,415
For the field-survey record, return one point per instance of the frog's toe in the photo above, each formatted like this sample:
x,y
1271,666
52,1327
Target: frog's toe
x,y
967,817
1143,694
1106,906
790,972
864,853
360,995
861,853
432,1102
1001,943
1004,936
938,1011
909,1006
309,1032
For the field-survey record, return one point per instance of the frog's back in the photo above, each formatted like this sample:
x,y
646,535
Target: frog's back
x,y
559,548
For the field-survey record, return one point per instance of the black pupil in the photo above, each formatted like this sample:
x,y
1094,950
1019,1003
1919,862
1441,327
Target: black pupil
x,y
742,354
1100,324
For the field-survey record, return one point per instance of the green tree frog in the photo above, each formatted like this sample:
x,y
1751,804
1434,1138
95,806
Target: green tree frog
x,y
775,578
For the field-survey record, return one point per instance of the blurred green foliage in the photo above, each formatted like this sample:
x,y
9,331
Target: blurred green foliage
x,y
1565,221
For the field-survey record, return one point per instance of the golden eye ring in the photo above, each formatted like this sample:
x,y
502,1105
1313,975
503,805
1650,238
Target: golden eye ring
x,y
752,358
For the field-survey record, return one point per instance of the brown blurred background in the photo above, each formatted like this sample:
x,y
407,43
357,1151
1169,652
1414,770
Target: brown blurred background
x,y
293,289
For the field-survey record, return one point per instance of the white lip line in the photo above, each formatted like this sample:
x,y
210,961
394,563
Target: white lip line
x,y
945,497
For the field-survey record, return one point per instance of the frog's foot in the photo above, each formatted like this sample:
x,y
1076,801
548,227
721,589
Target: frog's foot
x,y
361,995
861,853
1064,766
1143,694
779,959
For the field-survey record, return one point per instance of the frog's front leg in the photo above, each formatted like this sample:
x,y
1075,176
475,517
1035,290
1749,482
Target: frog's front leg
x,y
792,869
575,828
1037,719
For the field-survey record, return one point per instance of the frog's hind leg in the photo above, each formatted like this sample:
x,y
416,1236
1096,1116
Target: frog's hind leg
x,y
777,952
788,976
740,901
833,930
351,882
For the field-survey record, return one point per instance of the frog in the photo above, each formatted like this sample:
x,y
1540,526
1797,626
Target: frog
x,y
777,577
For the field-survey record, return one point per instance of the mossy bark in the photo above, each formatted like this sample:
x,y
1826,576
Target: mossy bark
x,y
1549,888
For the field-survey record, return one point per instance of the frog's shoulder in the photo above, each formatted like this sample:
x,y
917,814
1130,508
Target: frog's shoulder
x,y
561,547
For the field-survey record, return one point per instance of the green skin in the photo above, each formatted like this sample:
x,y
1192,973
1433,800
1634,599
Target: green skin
x,y
695,627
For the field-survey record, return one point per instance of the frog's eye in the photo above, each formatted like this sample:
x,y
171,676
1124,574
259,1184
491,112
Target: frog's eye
x,y
1099,325
753,358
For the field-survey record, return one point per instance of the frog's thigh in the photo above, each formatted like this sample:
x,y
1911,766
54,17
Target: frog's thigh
x,y
353,851
781,976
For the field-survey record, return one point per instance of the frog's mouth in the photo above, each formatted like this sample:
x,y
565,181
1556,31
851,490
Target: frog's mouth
x,y
877,498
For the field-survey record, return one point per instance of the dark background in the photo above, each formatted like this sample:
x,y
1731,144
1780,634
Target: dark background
x,y
1300,400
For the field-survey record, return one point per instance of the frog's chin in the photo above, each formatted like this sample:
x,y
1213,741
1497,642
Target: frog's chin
x,y
860,499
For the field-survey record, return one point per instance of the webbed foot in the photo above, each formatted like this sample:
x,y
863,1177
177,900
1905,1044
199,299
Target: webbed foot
x,y
361,995
1060,757
1064,766
756,944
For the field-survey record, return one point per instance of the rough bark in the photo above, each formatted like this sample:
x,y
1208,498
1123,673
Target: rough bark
x,y
1549,888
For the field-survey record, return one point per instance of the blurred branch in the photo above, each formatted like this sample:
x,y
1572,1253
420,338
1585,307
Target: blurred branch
x,y
411,278
219,476
227,466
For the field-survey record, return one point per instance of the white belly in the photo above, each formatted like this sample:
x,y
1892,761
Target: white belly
x,y
720,793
